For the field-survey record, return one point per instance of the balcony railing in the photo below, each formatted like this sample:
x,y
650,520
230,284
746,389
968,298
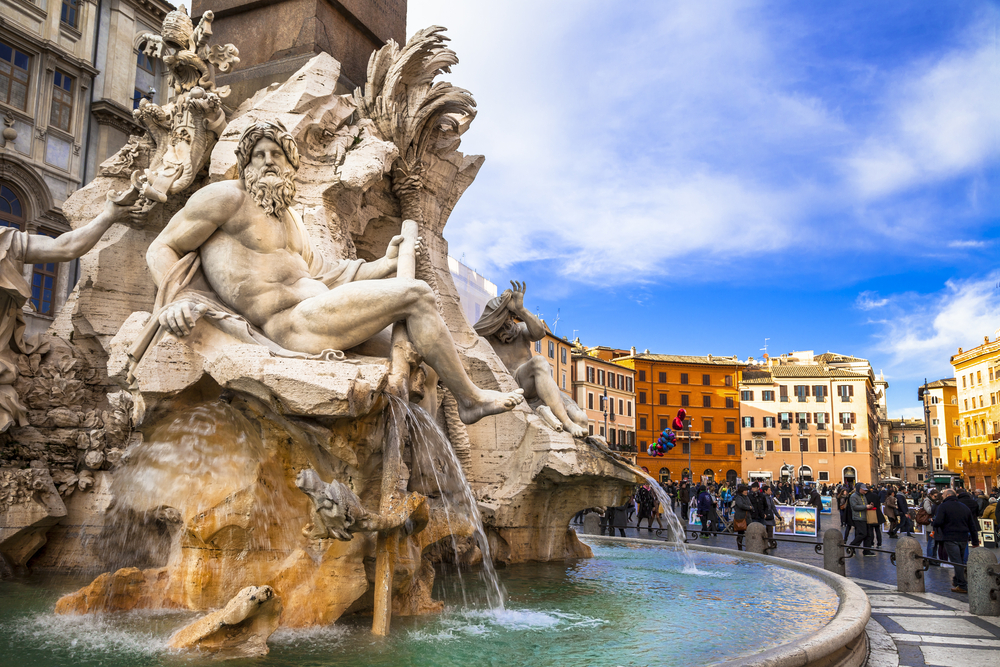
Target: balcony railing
x,y
786,426
821,427
847,426
803,426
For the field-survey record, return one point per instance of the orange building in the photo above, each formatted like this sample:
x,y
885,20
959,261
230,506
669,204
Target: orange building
x,y
706,387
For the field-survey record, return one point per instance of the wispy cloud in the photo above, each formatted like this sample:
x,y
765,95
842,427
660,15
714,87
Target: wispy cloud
x,y
969,244
920,332
870,300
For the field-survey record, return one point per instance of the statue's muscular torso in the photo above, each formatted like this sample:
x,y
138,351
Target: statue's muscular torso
x,y
253,261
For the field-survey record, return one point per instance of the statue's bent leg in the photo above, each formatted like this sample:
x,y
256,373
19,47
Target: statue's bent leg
x,y
535,373
348,315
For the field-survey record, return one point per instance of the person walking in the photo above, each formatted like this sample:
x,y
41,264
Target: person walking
x,y
890,511
706,510
874,529
684,495
903,510
859,517
956,527
770,512
930,504
816,500
742,511
843,505
646,501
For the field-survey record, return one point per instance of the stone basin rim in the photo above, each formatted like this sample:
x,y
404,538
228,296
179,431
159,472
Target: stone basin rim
x,y
842,642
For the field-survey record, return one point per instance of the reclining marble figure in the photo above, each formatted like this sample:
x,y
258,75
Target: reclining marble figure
x,y
512,342
240,254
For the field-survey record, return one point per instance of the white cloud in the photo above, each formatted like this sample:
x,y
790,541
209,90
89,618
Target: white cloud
x,y
941,119
922,331
675,139
869,300
968,244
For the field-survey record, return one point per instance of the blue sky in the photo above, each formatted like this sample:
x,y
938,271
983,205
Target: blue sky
x,y
695,177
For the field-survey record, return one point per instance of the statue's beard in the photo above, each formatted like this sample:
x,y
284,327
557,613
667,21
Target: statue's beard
x,y
272,188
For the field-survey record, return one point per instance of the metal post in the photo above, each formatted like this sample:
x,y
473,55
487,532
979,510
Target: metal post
x,y
927,427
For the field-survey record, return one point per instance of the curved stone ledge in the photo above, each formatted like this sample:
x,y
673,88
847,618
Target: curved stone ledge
x,y
840,643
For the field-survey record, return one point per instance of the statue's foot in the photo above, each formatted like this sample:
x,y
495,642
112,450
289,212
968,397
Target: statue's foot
x,y
471,410
576,430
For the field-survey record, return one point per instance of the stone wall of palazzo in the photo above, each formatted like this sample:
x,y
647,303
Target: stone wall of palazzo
x,y
72,69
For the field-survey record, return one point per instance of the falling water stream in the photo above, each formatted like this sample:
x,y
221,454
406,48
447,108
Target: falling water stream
x,y
673,523
433,452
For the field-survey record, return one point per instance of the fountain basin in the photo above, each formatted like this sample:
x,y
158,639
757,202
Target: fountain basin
x,y
632,604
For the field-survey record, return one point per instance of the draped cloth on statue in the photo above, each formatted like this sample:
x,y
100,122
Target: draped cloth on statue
x,y
494,315
14,293
185,281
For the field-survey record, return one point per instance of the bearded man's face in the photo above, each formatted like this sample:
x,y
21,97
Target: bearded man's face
x,y
269,178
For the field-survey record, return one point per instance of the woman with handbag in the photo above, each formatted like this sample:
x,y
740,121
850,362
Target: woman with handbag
x,y
743,508
890,511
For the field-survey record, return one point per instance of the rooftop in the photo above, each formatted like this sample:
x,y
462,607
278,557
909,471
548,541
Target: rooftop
x,y
686,359
768,375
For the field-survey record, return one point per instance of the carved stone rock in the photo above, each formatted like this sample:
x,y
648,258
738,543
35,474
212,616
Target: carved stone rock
x,y
240,629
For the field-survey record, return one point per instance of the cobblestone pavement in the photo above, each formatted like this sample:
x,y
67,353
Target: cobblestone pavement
x,y
932,629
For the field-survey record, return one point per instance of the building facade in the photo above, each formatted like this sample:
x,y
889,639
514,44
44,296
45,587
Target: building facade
x,y
68,76
977,379
474,291
606,392
940,399
706,387
908,450
558,353
811,418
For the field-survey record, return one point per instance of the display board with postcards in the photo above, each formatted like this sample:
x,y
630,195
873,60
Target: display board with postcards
x,y
827,504
987,533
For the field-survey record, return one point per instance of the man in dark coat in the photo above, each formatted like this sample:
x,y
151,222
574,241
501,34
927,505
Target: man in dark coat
x,y
903,511
875,529
955,525
757,500
966,499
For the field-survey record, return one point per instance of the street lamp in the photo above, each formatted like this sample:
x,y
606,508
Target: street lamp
x,y
927,427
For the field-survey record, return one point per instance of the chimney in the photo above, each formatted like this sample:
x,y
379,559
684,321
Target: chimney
x,y
632,350
709,357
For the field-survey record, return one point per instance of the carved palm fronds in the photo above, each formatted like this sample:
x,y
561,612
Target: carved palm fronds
x,y
407,106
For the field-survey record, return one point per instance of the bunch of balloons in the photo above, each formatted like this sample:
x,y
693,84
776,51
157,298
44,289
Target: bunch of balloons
x,y
663,444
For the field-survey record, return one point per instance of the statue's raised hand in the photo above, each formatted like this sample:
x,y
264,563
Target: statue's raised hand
x,y
179,318
517,294
392,250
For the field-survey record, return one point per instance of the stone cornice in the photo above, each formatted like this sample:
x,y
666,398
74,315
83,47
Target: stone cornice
x,y
112,114
49,47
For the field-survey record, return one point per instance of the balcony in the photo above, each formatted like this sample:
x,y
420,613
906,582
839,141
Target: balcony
x,y
784,399
801,399
786,426
820,427
847,426
803,426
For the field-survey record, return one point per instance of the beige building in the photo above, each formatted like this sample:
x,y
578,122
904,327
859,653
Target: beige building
x,y
606,391
68,75
940,399
557,352
977,379
908,450
812,418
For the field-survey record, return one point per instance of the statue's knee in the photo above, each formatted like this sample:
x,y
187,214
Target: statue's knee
x,y
539,365
421,292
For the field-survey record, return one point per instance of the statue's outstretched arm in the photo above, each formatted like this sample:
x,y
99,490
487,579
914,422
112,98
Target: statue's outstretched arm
x,y
42,249
206,211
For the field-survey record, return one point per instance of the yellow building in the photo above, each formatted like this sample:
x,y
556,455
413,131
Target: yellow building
x,y
977,378
706,387
940,399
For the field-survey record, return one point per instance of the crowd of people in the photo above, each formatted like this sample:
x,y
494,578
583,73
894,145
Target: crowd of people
x,y
949,518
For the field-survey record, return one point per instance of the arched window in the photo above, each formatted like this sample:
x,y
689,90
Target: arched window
x,y
731,476
805,473
709,473
850,475
664,474
11,211
686,473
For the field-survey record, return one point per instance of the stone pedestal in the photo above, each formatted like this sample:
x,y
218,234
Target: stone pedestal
x,y
833,552
984,587
909,566
591,524
349,30
755,540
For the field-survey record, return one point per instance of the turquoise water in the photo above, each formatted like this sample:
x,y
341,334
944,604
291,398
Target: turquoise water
x,y
629,605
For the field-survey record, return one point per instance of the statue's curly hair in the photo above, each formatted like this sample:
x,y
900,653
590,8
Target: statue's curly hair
x,y
266,129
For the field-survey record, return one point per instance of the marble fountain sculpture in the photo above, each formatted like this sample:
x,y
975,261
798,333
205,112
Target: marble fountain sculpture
x,y
223,416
